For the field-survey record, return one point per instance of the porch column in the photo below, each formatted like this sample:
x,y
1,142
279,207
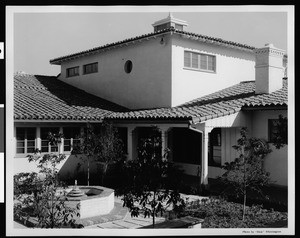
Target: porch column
x,y
61,144
164,141
204,161
130,142
38,138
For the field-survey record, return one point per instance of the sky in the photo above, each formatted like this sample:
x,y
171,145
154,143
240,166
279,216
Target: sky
x,y
39,36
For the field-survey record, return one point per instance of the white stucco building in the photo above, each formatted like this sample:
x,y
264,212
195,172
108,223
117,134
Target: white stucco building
x,y
199,90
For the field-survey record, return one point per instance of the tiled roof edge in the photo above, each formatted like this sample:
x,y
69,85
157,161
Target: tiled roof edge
x,y
27,74
168,30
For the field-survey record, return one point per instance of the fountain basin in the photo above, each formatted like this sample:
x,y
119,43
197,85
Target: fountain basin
x,y
96,201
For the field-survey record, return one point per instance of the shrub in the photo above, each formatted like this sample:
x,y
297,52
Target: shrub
x,y
218,213
246,173
39,195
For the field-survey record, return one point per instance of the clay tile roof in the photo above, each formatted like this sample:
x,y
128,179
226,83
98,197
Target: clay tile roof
x,y
218,104
45,98
192,36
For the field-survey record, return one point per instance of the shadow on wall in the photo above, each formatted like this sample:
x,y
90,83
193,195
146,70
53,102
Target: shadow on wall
x,y
76,168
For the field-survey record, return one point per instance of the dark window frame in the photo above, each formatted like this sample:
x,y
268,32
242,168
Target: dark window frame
x,y
44,140
26,141
72,138
72,72
90,68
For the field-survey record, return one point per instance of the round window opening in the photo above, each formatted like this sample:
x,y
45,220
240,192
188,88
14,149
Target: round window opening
x,y
128,66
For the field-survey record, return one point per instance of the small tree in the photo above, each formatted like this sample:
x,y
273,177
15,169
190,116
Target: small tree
x,y
150,182
104,146
246,172
110,147
39,195
89,146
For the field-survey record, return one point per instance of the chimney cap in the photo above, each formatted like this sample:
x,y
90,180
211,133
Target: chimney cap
x,y
271,45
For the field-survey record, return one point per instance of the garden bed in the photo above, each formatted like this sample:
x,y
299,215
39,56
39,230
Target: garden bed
x,y
222,214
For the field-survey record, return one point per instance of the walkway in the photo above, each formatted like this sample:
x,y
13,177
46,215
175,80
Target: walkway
x,y
120,218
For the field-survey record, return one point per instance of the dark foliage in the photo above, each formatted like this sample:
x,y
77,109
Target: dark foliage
x,y
280,136
218,213
150,183
246,173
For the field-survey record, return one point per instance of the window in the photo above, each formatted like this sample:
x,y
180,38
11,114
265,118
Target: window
x,y
278,130
199,61
71,72
128,66
26,142
90,68
70,137
46,147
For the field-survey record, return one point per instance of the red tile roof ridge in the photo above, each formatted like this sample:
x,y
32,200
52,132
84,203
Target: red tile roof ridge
x,y
167,30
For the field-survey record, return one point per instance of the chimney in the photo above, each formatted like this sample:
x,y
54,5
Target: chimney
x,y
269,69
168,22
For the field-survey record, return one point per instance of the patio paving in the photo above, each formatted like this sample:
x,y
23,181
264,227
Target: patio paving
x,y
120,218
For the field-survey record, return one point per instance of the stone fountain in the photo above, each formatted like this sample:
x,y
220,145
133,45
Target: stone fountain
x,y
93,200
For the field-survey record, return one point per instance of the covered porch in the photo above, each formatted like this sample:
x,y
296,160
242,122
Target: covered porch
x,y
199,148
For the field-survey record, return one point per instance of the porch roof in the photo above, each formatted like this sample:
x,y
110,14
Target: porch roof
x,y
221,103
46,98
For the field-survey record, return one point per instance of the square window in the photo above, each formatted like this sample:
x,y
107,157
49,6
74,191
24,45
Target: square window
x,y
25,140
90,68
74,71
201,62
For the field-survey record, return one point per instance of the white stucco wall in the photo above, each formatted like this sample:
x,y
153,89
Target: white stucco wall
x,y
66,169
257,124
276,162
232,66
158,78
147,86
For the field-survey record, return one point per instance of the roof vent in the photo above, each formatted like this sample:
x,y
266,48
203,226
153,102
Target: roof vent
x,y
168,22
269,69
